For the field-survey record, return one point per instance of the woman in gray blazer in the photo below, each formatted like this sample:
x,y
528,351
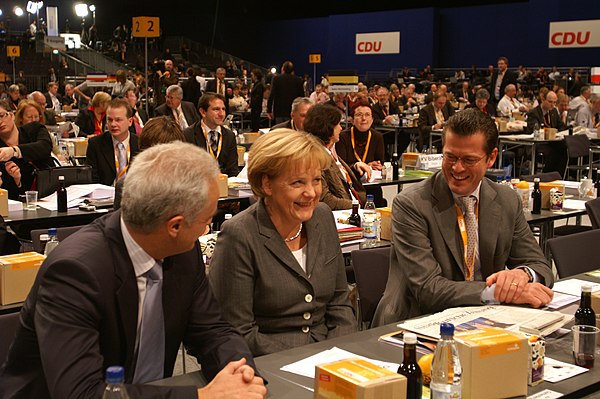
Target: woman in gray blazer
x,y
277,268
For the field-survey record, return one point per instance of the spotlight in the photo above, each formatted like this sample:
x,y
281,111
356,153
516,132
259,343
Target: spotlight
x,y
273,70
18,11
81,9
92,8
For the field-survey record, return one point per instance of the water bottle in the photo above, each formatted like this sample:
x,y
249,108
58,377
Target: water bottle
x,y
115,388
369,222
446,371
53,242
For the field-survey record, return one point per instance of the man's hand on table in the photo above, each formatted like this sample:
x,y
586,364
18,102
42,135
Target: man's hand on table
x,y
236,380
513,286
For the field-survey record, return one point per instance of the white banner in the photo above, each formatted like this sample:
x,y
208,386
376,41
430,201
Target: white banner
x,y
378,43
574,34
52,20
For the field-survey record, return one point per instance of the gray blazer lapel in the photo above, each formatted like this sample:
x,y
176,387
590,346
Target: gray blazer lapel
x,y
314,249
444,212
490,213
274,243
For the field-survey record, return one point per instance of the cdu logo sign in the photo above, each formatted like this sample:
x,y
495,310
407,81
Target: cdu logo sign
x,y
377,43
574,34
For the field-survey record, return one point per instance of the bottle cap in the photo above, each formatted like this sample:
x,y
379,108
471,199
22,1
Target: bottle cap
x,y
395,154
536,180
410,338
115,375
447,329
44,237
61,178
228,216
586,288
52,231
370,197
355,202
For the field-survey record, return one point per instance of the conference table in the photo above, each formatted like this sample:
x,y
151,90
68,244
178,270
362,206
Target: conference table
x,y
412,131
509,142
365,343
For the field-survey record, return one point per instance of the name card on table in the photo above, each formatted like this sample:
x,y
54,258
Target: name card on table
x,y
429,161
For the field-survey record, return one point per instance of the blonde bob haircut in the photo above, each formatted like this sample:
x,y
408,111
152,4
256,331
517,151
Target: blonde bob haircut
x,y
277,151
99,98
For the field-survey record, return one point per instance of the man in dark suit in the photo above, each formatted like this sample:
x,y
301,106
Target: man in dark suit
x,y
49,114
69,97
300,107
256,99
191,87
182,111
500,79
465,94
460,239
219,85
110,153
384,110
211,135
139,117
135,270
433,116
53,99
546,115
284,89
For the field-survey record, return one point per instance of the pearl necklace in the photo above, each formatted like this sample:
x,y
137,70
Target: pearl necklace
x,y
295,235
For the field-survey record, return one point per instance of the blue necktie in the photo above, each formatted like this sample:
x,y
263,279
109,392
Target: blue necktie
x,y
151,349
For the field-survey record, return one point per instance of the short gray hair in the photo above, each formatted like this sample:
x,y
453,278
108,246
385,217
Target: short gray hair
x,y
13,88
482,94
167,180
509,87
299,101
585,89
175,89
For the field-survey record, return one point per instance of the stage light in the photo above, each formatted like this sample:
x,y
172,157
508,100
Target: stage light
x,y
81,9
18,11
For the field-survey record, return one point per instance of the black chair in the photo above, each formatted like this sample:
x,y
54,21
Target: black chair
x,y
544,177
371,267
8,327
578,147
576,253
593,210
62,233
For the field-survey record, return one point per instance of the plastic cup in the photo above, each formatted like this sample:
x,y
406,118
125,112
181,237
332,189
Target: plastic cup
x,y
31,198
584,345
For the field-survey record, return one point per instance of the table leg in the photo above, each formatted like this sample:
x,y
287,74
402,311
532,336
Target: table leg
x,y
533,159
500,152
546,233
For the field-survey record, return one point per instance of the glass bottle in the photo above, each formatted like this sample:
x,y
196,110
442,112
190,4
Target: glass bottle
x,y
410,368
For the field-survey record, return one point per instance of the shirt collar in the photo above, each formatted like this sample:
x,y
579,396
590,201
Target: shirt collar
x,y
475,194
208,130
125,142
142,262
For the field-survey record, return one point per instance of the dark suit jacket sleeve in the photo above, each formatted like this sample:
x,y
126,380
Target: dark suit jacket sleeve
x,y
85,122
425,122
274,89
35,143
228,159
70,333
91,157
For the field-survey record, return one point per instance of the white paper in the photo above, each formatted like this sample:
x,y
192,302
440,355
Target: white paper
x,y
561,300
556,371
573,286
573,204
306,367
76,195
546,394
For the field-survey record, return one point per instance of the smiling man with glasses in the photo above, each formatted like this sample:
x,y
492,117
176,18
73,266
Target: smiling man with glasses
x,y
459,239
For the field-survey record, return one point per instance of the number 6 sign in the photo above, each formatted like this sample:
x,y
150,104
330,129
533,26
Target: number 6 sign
x,y
146,26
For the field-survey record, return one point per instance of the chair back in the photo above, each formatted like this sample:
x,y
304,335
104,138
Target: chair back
x,y
371,267
62,233
544,177
593,210
576,253
577,145
9,322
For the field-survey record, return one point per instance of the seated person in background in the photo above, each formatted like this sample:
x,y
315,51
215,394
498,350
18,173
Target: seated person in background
x,y
383,110
27,112
111,153
53,99
465,94
589,115
140,117
481,103
92,121
182,111
69,98
361,143
14,96
122,84
341,182
433,116
22,150
237,103
49,114
408,99
509,103
89,305
581,100
210,134
159,130
562,106
277,269
300,107
459,239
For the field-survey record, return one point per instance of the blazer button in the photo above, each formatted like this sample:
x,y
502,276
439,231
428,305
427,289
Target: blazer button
x,y
308,298
306,315
305,329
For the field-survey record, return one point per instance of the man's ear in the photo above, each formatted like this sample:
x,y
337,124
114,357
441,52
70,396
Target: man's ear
x,y
174,225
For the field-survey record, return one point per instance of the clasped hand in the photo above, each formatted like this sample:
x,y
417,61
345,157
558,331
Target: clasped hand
x,y
513,286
